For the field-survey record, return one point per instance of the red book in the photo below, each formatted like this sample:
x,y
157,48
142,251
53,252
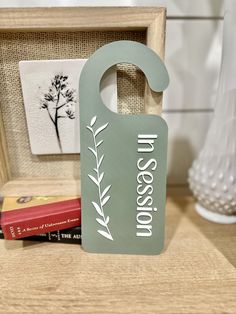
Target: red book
x,y
23,220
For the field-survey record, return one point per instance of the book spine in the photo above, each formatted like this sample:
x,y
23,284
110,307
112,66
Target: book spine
x,y
25,228
72,235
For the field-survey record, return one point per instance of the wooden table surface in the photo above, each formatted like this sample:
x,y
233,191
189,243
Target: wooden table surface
x,y
195,273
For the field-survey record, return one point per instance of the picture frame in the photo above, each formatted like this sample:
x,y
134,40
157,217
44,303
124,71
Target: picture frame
x,y
149,20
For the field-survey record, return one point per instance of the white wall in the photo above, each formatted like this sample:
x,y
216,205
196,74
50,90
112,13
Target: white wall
x,y
193,52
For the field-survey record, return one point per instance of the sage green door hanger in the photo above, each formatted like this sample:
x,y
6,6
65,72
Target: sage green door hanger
x,y
123,160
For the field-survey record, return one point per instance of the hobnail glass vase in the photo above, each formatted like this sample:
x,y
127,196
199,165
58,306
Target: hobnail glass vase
x,y
212,177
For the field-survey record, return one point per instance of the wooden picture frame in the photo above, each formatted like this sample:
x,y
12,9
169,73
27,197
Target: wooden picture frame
x,y
150,20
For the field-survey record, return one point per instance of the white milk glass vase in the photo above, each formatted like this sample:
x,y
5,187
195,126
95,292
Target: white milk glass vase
x,y
212,177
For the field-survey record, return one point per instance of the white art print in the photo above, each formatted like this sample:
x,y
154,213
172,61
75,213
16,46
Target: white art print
x,y
50,92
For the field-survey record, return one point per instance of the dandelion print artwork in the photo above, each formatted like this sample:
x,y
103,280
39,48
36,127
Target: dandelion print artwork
x,y
50,94
59,102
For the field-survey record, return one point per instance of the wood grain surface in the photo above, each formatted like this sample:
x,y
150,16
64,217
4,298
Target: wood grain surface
x,y
195,273
41,186
4,163
156,34
77,18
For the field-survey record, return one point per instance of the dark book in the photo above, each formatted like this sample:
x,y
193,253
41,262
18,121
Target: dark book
x,y
72,235
1,234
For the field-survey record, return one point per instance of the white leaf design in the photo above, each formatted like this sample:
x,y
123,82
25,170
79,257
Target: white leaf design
x,y
105,191
100,161
101,222
105,234
93,179
100,129
88,127
93,151
93,121
99,143
100,177
98,209
106,199
97,179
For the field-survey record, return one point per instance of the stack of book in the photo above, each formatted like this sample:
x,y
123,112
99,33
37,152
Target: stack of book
x,y
40,218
